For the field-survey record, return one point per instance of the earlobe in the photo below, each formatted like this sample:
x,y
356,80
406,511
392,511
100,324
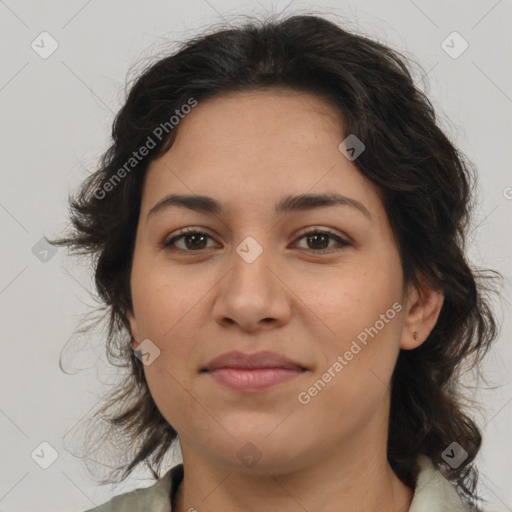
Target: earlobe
x,y
422,311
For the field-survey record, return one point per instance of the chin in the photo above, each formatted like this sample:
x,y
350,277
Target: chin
x,y
255,451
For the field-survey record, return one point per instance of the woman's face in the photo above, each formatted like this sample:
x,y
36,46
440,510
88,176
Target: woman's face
x,y
251,281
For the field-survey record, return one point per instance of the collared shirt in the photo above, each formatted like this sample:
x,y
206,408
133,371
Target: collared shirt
x,y
433,493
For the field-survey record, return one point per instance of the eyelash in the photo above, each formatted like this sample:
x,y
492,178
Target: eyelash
x,y
168,244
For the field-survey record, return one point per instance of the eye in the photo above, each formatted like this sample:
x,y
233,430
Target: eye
x,y
195,240
320,239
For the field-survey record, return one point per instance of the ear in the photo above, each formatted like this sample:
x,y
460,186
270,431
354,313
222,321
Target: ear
x,y
423,305
133,329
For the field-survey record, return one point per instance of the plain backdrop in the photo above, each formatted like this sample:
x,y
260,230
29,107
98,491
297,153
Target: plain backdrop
x,y
56,116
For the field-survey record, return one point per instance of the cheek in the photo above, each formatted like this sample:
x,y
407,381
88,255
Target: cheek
x,y
344,302
359,318
358,352
169,321
166,316
169,387
163,300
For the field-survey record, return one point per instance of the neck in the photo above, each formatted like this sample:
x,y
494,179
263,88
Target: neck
x,y
348,483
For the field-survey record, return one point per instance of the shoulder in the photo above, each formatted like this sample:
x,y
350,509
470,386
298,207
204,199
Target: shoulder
x,y
434,492
154,498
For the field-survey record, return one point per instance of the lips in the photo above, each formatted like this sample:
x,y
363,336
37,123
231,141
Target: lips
x,y
252,373
257,360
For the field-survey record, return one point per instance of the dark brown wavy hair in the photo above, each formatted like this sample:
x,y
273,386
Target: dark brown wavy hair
x,y
426,184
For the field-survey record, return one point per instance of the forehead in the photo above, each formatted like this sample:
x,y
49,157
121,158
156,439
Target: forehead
x,y
252,148
251,119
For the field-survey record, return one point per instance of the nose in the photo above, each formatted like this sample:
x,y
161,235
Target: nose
x,y
253,295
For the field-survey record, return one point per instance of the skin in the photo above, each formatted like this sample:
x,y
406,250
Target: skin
x,y
248,150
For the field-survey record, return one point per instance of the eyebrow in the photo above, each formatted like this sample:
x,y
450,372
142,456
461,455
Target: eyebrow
x,y
289,204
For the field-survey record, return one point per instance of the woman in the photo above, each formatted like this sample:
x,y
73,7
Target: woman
x,y
279,225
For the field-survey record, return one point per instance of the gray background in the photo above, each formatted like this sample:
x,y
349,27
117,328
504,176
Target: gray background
x,y
56,115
